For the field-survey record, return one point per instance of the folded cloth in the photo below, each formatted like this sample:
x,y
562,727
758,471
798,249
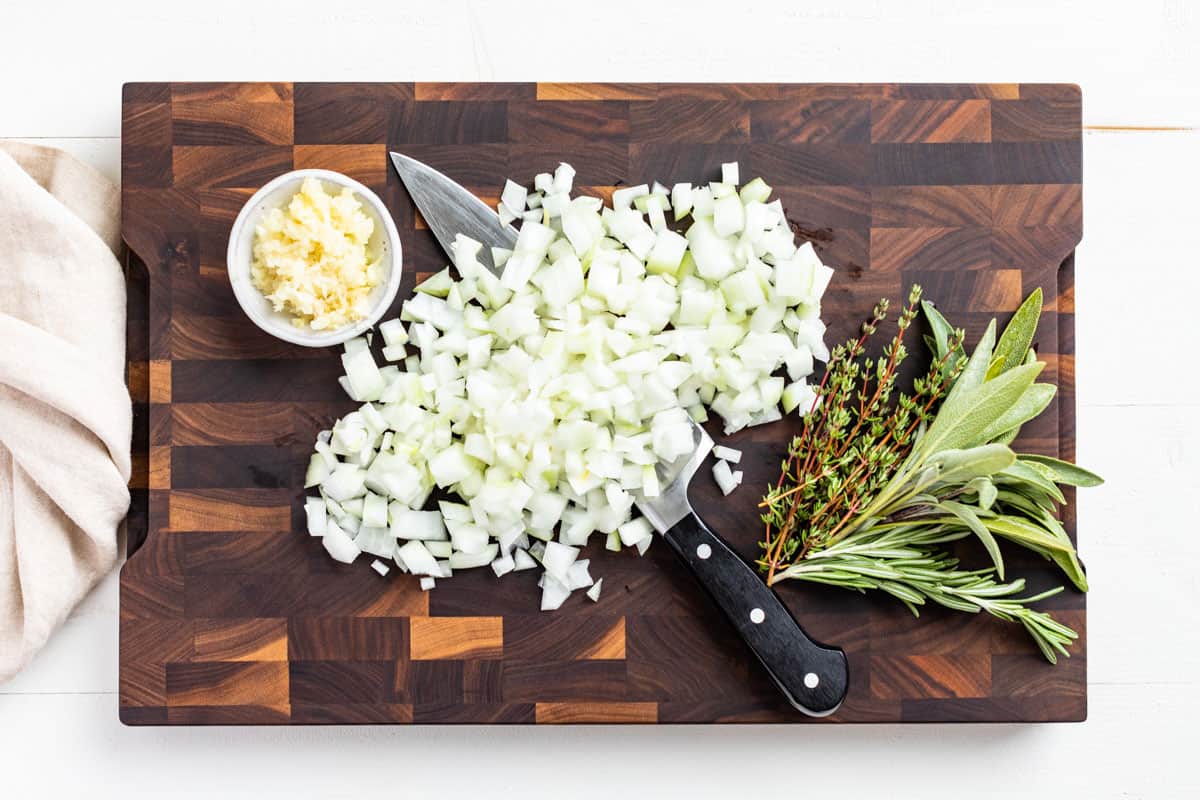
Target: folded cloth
x,y
65,414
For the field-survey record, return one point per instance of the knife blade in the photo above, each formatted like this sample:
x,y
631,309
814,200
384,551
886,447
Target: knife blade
x,y
450,209
813,677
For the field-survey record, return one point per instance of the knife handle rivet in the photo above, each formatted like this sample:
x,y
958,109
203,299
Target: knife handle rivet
x,y
757,615
703,551
811,680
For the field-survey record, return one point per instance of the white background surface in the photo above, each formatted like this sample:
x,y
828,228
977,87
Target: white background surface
x,y
1138,279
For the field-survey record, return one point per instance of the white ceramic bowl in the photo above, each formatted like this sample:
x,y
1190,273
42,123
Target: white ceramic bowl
x,y
384,244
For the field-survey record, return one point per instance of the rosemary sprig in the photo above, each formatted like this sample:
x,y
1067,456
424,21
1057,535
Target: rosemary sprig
x,y
907,564
878,479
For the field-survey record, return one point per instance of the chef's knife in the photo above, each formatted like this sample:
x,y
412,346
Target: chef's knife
x,y
449,209
813,677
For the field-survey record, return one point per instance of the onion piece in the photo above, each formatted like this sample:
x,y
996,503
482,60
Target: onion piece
x,y
417,559
554,592
522,560
438,549
376,541
513,197
487,555
644,545
409,524
724,477
578,576
503,565
318,470
634,531
316,514
346,482
557,559
727,454
375,510
338,544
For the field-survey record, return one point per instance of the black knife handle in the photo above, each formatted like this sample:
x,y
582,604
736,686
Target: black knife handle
x,y
812,676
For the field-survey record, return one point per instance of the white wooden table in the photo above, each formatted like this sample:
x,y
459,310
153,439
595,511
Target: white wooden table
x,y
62,64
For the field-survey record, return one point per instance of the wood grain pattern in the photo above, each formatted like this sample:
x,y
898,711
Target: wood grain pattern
x,y
604,713
443,638
931,121
240,640
231,615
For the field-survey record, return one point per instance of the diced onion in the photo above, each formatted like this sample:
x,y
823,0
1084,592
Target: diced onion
x,y
522,560
317,515
338,544
724,477
544,397
727,454
594,592
554,592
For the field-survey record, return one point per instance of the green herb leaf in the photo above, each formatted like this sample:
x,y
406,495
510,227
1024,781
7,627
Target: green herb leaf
x,y
940,328
985,489
1065,472
1007,437
1031,403
977,408
1018,334
975,371
1068,562
969,518
1030,473
960,466
1024,532
1019,502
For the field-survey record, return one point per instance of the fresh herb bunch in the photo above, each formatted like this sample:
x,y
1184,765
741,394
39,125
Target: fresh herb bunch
x,y
879,480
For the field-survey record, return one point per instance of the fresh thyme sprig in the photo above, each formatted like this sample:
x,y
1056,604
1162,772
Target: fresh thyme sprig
x,y
853,437
878,479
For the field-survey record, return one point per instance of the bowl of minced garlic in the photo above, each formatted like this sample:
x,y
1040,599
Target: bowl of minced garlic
x,y
314,258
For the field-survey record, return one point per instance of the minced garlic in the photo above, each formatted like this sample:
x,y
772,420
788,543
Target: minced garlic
x,y
310,259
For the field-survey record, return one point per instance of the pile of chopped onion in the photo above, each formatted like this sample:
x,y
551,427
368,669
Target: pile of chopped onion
x,y
543,398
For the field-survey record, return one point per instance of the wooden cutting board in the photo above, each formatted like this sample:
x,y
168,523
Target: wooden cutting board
x,y
230,614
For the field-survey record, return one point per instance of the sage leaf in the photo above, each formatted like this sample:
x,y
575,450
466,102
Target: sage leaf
x,y
1021,472
1031,403
940,329
1018,334
1064,471
1007,437
973,372
977,408
985,490
1020,502
968,517
1068,562
1025,533
960,466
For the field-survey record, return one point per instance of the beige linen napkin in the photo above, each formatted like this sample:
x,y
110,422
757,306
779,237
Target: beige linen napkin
x,y
65,415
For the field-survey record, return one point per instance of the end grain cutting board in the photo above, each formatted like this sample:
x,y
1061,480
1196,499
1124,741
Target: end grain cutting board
x,y
230,614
